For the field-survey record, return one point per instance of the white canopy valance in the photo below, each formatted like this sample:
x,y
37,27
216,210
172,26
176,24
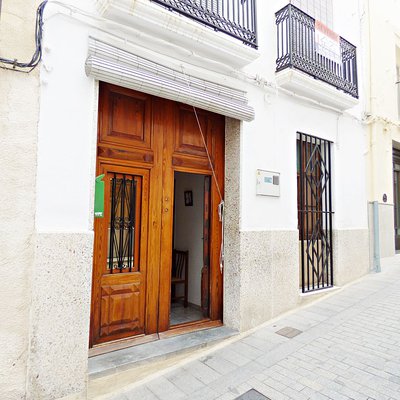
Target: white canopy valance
x,y
113,65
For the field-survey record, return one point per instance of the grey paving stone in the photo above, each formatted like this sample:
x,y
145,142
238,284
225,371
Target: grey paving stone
x,y
252,395
202,372
164,389
186,382
219,364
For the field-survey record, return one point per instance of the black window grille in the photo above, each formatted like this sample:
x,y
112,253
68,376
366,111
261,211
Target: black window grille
x,y
314,201
236,18
123,232
297,48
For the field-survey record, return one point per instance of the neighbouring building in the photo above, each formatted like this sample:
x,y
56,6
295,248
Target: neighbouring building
x,y
19,116
381,35
174,165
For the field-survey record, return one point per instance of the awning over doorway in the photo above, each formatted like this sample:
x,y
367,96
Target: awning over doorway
x,y
113,65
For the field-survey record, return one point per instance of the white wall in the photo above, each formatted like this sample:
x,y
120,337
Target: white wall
x,y
67,131
189,228
269,142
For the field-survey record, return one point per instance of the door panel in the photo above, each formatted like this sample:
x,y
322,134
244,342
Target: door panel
x,y
121,307
126,120
188,139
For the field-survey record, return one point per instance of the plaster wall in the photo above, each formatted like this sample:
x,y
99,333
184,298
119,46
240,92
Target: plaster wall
x,y
18,137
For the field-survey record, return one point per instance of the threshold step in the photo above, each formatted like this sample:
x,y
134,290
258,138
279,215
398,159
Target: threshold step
x,y
143,354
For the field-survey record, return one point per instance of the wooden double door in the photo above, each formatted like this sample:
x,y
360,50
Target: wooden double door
x,y
142,141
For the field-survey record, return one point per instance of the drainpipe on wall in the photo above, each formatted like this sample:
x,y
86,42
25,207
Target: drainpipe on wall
x,y
377,255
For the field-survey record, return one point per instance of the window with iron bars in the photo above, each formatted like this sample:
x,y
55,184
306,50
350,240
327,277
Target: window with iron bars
x,y
314,200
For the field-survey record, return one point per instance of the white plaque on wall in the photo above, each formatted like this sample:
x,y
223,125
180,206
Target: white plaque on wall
x,y
268,183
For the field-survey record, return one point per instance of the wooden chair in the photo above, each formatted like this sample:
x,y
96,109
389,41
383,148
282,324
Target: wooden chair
x,y
180,272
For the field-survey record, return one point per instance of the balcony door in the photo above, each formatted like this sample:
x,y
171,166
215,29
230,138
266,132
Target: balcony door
x,y
143,142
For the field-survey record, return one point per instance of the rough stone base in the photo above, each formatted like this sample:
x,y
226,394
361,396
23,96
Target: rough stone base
x,y
265,269
60,315
351,255
269,275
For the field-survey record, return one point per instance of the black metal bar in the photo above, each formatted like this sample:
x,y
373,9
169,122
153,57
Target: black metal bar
x,y
133,221
324,231
315,204
317,208
303,55
312,207
121,225
230,18
307,155
112,225
330,216
301,212
131,225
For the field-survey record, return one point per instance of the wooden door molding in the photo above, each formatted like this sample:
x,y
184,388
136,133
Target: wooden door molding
x,y
127,117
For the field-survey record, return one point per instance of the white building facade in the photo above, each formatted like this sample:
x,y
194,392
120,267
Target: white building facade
x,y
269,121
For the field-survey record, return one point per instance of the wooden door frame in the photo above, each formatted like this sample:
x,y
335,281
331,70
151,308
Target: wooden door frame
x,y
215,239
156,155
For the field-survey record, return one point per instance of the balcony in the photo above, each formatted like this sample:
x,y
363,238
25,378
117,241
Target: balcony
x,y
236,18
304,44
205,33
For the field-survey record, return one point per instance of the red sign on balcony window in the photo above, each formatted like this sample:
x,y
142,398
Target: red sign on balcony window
x,y
327,42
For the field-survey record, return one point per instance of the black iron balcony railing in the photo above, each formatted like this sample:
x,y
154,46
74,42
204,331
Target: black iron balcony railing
x,y
236,18
307,45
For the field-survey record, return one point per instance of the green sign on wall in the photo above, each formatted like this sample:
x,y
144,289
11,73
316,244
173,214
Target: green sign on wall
x,y
99,197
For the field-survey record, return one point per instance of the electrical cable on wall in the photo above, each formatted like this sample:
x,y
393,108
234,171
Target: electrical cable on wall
x,y
37,55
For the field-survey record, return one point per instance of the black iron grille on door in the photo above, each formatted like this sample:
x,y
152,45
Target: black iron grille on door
x,y
123,238
314,201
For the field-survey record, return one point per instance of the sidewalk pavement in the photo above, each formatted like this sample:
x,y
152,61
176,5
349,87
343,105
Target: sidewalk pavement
x,y
349,348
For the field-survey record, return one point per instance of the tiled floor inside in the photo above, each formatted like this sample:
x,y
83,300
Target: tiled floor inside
x,y
181,315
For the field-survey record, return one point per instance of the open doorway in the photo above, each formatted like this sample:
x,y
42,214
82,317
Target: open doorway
x,y
190,275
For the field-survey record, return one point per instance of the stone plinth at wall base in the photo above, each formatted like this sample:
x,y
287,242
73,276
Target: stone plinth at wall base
x,y
269,275
60,316
350,255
